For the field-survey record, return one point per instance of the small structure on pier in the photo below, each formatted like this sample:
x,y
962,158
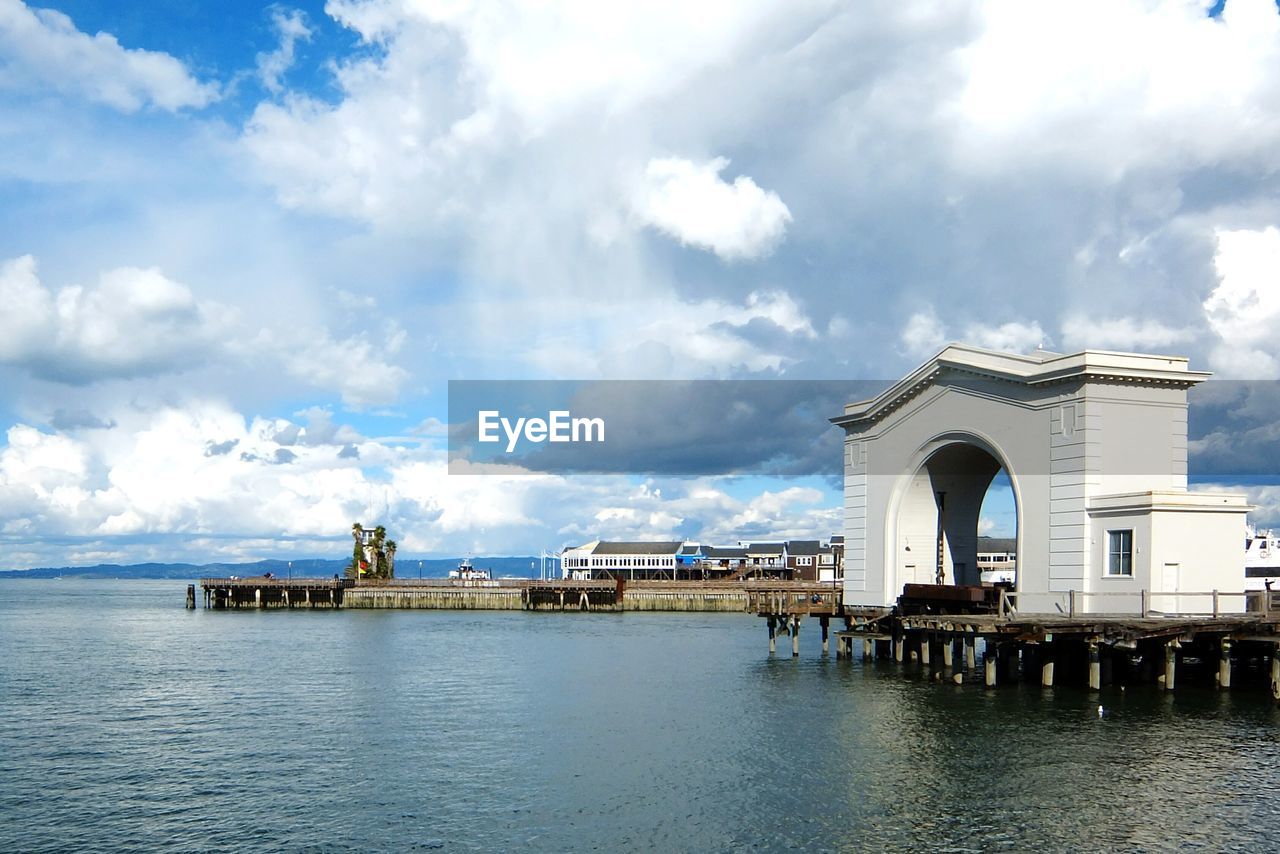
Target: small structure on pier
x,y
1095,447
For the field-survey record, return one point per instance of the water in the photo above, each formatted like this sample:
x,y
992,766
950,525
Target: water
x,y
127,722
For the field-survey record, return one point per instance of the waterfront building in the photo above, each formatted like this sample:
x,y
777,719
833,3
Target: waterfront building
x,y
1095,447
632,561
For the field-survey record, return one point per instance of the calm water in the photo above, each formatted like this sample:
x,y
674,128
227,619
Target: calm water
x,y
127,722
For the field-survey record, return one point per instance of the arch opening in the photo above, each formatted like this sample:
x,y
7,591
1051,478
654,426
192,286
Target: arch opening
x,y
937,535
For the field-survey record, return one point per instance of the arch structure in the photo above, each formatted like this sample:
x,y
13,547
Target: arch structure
x,y
1095,447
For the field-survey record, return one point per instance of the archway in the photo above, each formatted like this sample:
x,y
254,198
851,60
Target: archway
x,y
933,525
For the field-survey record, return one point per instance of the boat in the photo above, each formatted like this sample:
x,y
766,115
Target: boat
x,y
467,572
1261,559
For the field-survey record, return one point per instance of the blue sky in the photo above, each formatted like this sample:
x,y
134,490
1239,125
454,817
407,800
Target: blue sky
x,y
246,246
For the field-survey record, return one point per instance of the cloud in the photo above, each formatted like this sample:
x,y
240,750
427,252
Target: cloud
x,y
1037,80
292,28
693,204
1014,336
151,488
1081,332
357,367
663,336
134,323
78,419
43,47
924,335
1244,309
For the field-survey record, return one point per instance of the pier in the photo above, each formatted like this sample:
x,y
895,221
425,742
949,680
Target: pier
x,y
977,636
440,594
264,592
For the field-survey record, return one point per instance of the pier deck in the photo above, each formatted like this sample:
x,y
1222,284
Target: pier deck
x,y
264,592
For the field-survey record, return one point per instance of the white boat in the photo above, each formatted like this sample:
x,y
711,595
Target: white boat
x,y
467,572
1261,559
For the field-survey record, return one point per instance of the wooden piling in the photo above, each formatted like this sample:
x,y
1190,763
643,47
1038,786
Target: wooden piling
x,y
191,597
989,657
1095,667
773,635
1275,672
1170,664
1224,663
970,653
1046,666
795,637
948,653
825,623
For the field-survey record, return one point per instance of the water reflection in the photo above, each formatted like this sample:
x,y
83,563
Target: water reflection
x,y
143,725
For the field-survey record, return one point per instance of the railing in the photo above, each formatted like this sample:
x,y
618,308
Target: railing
x,y
273,581
1143,603
802,597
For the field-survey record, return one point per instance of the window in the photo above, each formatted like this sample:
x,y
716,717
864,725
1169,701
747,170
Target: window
x,y
1120,552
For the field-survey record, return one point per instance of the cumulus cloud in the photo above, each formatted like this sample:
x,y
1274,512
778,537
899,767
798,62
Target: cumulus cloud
x,y
43,47
1244,309
1081,332
133,323
1037,79
292,28
665,337
692,203
923,335
357,367
156,485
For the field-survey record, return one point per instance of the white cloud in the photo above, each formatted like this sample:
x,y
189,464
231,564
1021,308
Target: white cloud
x,y
148,487
664,337
692,203
1080,332
923,335
43,47
1109,85
1012,337
357,367
133,323
1244,309
292,28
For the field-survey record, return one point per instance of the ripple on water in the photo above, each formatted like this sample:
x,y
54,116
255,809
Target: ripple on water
x,y
128,722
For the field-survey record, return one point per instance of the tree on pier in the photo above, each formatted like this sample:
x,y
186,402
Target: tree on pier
x,y
373,555
357,554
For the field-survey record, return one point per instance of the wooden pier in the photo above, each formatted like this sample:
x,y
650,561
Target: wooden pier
x,y
560,595
264,592
982,639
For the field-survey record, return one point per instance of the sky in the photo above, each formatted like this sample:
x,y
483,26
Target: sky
x,y
246,246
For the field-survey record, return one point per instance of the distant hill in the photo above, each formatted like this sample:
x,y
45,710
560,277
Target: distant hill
x,y
308,567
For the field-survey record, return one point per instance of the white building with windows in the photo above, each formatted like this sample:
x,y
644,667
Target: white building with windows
x,y
601,559
1095,447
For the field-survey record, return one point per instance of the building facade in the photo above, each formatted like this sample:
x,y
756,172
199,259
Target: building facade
x,y
1095,447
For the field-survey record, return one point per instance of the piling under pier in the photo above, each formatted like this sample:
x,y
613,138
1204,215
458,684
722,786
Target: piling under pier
x,y
263,592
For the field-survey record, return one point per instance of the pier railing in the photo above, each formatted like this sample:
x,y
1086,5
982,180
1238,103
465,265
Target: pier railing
x,y
1144,603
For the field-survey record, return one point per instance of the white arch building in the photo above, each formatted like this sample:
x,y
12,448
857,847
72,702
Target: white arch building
x,y
1095,446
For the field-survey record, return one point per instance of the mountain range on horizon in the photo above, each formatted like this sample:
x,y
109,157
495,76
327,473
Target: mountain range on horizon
x,y
523,567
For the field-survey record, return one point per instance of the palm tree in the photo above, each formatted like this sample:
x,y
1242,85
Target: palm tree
x,y
391,558
357,554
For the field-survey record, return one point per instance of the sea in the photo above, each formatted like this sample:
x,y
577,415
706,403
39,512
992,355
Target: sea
x,y
128,723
